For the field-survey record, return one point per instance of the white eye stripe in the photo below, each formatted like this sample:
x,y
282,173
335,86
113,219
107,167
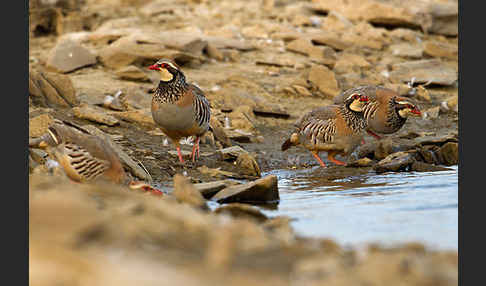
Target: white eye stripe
x,y
169,64
404,102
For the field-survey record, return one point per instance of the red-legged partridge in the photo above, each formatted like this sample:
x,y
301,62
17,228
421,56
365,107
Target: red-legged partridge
x,y
336,129
84,157
179,108
386,111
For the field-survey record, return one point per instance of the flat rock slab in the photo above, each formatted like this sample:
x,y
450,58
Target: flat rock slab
x,y
407,50
132,73
209,189
264,190
94,114
439,49
439,17
324,79
424,71
399,161
418,166
180,40
232,153
239,135
332,40
217,172
448,154
68,56
128,50
362,162
270,110
435,140
140,116
52,89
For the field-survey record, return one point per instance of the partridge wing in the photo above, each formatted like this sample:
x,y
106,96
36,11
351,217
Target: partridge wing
x,y
83,163
201,105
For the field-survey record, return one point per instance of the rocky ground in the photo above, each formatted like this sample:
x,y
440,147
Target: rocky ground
x,y
261,64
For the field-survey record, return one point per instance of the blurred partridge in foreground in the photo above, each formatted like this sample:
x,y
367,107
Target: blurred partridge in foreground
x,y
336,129
84,157
178,107
386,111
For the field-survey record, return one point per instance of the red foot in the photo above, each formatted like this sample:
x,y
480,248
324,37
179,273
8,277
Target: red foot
x,y
180,155
195,150
316,155
331,158
138,185
373,134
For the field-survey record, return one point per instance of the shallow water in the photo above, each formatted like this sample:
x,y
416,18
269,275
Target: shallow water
x,y
386,208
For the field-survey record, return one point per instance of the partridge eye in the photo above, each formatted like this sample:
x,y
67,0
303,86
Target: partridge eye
x,y
356,96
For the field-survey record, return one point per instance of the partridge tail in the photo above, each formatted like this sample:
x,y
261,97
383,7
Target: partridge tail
x,y
291,141
286,145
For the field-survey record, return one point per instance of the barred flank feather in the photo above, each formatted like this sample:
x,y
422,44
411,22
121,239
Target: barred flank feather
x,y
203,111
85,165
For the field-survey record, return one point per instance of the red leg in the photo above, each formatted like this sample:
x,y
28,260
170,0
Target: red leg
x,y
330,157
373,134
316,155
195,149
362,142
179,153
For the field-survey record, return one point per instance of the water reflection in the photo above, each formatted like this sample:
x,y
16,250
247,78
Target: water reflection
x,y
365,207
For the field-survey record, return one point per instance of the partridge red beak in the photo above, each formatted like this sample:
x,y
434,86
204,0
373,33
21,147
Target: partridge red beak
x,y
416,111
153,67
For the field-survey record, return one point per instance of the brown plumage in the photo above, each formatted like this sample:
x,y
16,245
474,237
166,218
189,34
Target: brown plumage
x,y
85,157
386,111
179,108
336,129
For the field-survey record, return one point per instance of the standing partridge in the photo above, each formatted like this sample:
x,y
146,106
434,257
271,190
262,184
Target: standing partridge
x,y
84,157
178,107
386,111
336,129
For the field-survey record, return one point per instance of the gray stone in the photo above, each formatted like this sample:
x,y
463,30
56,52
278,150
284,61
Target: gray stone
x,y
232,153
424,71
97,115
418,166
69,55
264,190
132,73
211,188
448,154
399,161
52,89
324,79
